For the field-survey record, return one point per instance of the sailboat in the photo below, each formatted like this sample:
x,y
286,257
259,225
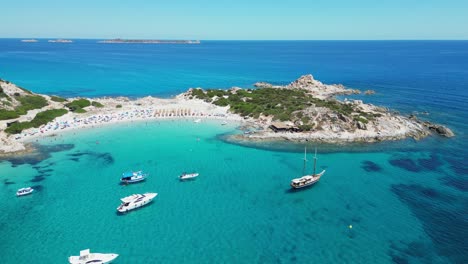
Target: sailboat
x,y
307,180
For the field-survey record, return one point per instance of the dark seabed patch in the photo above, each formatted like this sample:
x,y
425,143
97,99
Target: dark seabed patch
x,y
458,182
37,187
105,158
444,218
370,166
413,252
45,171
430,164
37,179
407,164
7,182
40,154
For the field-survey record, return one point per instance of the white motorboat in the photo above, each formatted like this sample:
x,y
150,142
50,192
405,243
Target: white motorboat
x,y
307,180
224,123
24,191
186,176
197,120
134,201
86,257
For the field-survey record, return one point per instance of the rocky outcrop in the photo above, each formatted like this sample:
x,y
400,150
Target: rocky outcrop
x,y
439,129
369,92
263,85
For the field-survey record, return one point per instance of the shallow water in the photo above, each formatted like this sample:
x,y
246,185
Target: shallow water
x,y
240,209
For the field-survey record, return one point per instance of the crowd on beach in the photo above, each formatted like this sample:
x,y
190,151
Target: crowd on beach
x,y
73,121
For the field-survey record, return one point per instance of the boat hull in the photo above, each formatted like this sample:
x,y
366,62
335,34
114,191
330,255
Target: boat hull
x,y
95,258
306,181
188,176
18,193
124,208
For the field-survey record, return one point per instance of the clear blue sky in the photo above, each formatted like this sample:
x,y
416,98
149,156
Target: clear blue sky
x,y
236,19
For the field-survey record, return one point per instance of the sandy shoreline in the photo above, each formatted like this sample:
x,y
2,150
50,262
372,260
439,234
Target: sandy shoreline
x,y
331,127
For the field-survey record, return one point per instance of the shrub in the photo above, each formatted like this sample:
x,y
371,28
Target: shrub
x,y
57,99
8,114
97,104
40,119
79,110
30,102
118,106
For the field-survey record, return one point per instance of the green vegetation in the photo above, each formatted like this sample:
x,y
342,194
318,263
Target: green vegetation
x,y
78,105
40,119
57,99
118,106
28,102
97,104
8,114
80,111
281,104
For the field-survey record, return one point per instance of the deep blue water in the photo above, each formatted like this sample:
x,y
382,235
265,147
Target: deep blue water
x,y
408,200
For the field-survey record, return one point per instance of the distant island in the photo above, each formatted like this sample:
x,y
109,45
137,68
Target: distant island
x,y
60,41
29,40
304,110
149,41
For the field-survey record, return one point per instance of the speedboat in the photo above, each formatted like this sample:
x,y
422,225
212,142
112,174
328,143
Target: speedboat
x,y
133,176
134,201
87,257
224,123
197,120
24,191
186,176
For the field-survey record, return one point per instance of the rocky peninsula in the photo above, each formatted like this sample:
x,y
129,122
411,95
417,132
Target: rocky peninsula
x,y
304,110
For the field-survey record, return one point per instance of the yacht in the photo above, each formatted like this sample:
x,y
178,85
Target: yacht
x,y
24,191
134,201
133,176
307,180
186,176
87,257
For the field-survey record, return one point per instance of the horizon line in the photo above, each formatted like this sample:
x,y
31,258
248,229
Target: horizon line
x,y
81,38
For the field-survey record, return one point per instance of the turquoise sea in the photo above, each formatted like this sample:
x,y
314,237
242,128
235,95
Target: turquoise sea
x,y
393,202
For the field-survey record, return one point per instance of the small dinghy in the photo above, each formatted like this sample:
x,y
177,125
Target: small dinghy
x,y
24,191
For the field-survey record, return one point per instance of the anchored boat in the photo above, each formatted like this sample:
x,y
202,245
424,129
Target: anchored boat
x,y
133,176
307,180
24,191
134,201
86,257
186,176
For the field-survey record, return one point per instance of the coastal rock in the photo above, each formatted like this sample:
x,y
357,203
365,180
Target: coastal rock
x,y
444,131
304,82
263,85
369,92
361,125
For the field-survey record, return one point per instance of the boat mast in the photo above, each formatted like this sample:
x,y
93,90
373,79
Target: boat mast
x,y
305,161
315,160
